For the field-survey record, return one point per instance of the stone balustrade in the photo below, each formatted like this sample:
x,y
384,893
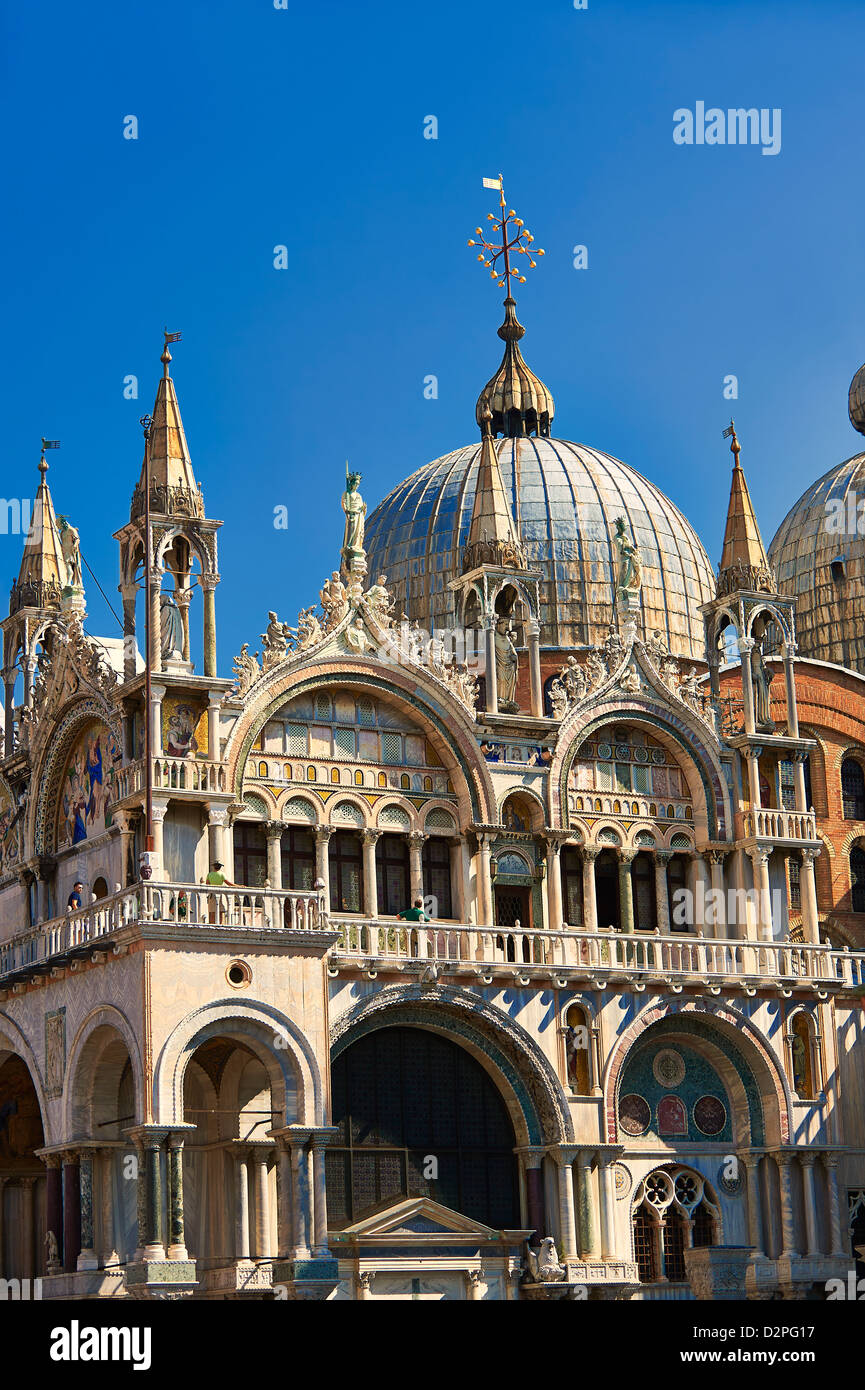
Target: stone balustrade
x,y
173,774
786,826
603,956
184,904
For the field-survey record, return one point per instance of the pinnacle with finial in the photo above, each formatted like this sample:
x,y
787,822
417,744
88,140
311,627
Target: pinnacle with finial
x,y
514,237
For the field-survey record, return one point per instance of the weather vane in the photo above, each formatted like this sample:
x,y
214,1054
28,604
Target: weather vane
x,y
47,444
494,252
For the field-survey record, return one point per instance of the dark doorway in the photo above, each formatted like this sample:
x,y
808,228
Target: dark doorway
x,y
643,888
607,889
402,1096
513,904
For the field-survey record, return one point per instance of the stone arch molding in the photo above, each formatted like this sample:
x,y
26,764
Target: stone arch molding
x,y
43,826
525,1078
107,1016
274,1038
13,1042
735,1027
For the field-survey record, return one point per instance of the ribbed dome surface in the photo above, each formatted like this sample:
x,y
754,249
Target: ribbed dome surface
x,y
825,568
565,499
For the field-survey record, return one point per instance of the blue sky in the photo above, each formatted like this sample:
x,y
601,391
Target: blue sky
x,y
304,127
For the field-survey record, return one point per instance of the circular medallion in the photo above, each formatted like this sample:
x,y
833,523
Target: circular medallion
x,y
605,750
623,1180
730,1182
658,755
668,1067
634,1114
641,754
623,752
710,1115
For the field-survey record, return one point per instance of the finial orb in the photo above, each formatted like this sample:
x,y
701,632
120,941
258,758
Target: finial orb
x,y
856,401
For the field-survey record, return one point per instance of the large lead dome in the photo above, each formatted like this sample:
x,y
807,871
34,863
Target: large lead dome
x,y
565,499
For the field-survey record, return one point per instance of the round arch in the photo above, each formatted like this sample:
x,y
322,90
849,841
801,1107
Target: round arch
x,y
288,1058
442,718
741,1037
42,830
14,1043
94,1059
525,1078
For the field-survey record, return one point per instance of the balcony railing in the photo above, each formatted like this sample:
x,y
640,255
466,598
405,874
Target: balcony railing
x,y
767,824
186,904
172,774
381,945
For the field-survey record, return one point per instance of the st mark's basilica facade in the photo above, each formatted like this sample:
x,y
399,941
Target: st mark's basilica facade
x,y
622,1059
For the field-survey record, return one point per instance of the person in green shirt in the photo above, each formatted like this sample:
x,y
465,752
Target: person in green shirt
x,y
217,877
414,914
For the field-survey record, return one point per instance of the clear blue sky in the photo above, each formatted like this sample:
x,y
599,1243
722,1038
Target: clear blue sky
x,y
304,126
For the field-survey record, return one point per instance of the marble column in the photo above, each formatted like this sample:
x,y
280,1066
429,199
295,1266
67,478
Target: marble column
x,y
53,1203
87,1255
319,1184
455,848
809,1201
535,1219
719,910
157,693
415,859
837,1235
110,1257
590,900
216,822
160,809
262,1208
554,884
567,1223
242,1210
156,576
788,1227
28,1261
608,1206
746,646
71,1213
300,1194
484,882
284,1201
154,1246
322,862
214,706
176,1223
273,831
490,677
208,584
626,859
588,1226
790,687
369,840
533,632
808,893
762,883
751,1164
662,896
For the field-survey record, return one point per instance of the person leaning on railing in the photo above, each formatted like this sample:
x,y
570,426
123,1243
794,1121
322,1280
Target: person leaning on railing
x,y
216,879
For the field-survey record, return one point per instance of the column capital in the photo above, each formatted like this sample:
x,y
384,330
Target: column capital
x,y
217,815
416,838
626,854
371,837
807,1157
273,829
322,833
591,852
663,856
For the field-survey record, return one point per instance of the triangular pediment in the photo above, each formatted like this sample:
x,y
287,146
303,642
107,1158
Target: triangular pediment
x,y
419,1216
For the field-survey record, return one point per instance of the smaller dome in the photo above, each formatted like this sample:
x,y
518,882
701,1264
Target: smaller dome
x,y
514,402
856,401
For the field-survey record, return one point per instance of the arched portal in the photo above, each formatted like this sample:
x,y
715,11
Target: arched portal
x,y
22,1175
418,1116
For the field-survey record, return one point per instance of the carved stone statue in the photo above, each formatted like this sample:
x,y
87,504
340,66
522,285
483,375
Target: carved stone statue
x,y
596,668
614,648
358,638
657,648
559,702
630,575
334,601
70,545
53,1257
761,681
246,670
355,513
274,642
544,1267
573,678
507,663
630,679
309,630
170,628
380,601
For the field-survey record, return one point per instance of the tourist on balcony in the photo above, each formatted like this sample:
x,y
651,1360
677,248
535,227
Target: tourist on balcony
x,y
414,914
74,900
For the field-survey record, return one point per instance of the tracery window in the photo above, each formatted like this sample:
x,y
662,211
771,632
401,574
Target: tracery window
x,y
853,789
673,1209
627,760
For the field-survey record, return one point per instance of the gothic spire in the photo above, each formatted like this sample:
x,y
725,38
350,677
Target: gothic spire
x,y
493,535
173,489
744,564
43,570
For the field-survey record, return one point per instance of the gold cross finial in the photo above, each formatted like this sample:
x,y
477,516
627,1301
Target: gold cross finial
x,y
491,252
735,446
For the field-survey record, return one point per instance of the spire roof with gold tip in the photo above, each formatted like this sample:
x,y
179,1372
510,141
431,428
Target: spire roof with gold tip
x,y
173,489
744,564
517,400
43,568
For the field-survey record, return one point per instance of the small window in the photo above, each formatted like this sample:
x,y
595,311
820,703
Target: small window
x,y
857,878
853,789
